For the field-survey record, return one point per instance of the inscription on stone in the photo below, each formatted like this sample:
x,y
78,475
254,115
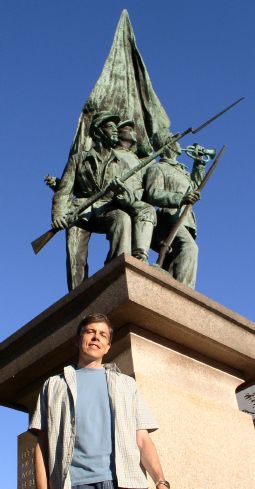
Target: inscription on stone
x,y
246,401
26,450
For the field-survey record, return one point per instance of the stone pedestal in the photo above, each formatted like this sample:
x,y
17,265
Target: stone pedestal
x,y
203,441
26,451
187,353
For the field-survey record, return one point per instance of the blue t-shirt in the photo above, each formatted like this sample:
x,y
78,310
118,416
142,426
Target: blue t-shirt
x,y
93,458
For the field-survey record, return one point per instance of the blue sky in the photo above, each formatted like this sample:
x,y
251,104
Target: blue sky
x,y
200,57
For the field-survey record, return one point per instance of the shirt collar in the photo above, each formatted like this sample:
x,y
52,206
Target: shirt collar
x,y
172,162
113,367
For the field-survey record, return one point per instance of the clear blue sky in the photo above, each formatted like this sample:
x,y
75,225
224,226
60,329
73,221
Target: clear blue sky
x,y
200,56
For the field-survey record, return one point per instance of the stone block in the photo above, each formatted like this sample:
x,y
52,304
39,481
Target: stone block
x,y
189,356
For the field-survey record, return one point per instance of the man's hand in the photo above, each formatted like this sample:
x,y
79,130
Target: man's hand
x,y
123,194
60,223
190,198
50,180
117,186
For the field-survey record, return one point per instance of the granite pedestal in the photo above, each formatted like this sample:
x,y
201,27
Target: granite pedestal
x,y
188,354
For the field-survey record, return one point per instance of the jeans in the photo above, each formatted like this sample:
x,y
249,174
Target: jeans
x,y
98,485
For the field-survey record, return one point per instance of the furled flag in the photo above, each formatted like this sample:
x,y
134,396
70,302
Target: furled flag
x,y
124,88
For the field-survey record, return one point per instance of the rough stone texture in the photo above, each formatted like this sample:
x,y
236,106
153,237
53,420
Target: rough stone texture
x,y
203,441
131,293
187,353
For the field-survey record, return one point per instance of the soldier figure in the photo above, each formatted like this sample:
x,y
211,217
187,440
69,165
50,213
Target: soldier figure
x,y
77,240
88,172
169,186
143,215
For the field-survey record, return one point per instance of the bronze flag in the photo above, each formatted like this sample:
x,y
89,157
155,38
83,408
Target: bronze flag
x,y
124,87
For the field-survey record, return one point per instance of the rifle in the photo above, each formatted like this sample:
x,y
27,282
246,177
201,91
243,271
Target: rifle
x,y
165,248
42,240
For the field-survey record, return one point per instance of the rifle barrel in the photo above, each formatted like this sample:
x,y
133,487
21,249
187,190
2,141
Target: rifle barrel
x,y
46,237
167,243
42,240
194,131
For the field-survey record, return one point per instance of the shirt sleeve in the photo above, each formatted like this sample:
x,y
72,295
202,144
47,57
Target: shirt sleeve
x,y
155,192
39,418
63,193
198,173
144,418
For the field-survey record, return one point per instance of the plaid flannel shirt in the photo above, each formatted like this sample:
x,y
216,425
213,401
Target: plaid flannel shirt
x,y
55,414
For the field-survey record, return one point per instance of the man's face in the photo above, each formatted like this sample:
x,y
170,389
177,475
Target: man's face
x,y
110,131
94,341
128,133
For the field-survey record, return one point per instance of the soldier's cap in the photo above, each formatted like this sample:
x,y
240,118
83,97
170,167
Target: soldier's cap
x,y
128,122
101,118
158,141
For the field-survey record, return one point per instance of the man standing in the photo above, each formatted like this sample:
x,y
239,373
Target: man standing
x,y
92,424
169,186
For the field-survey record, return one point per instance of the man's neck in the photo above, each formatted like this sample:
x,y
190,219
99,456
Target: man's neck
x,y
171,161
103,150
89,363
124,145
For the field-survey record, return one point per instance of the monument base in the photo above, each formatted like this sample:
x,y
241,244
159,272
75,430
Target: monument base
x,y
187,353
204,441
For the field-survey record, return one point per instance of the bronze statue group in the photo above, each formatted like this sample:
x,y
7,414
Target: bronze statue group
x,y
121,124
134,216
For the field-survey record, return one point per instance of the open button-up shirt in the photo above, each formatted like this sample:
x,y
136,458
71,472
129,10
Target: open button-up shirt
x,y
55,415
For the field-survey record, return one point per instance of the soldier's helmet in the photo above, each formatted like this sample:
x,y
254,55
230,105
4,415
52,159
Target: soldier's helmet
x,y
128,122
160,140
101,118
125,132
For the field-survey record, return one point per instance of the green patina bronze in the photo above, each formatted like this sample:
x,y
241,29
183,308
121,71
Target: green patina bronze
x,y
103,190
126,220
169,186
123,88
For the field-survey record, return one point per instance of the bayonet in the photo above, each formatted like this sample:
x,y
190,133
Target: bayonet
x,y
40,242
199,128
